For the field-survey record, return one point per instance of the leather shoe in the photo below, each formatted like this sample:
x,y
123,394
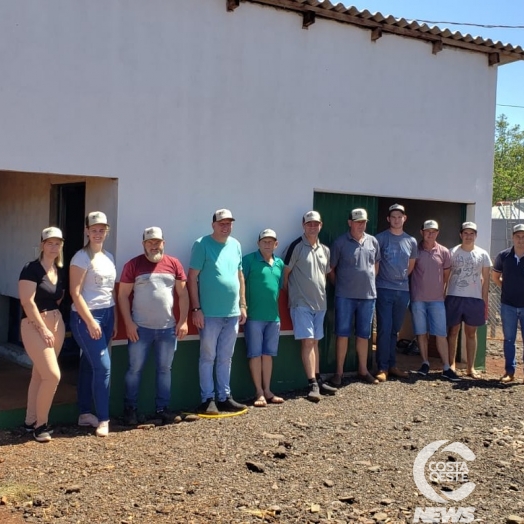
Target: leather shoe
x,y
507,378
369,378
382,376
395,372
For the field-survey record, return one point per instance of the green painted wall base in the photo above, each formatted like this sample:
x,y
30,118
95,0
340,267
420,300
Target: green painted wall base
x,y
480,357
288,375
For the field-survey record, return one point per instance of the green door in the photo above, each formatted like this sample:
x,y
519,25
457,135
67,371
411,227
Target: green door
x,y
334,209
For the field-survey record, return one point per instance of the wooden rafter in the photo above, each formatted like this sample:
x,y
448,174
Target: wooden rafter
x,y
437,47
308,18
493,58
231,5
376,33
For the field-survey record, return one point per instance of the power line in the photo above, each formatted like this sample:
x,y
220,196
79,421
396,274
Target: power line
x,y
508,105
488,26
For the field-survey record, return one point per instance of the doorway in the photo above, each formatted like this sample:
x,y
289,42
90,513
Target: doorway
x,y
67,211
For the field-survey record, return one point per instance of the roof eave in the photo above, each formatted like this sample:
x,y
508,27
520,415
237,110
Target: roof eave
x,y
497,52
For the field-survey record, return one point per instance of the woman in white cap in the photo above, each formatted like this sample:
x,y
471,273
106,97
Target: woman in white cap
x,y
92,275
41,289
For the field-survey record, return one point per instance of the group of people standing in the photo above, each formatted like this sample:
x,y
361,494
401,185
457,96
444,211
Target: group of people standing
x,y
385,275
224,290
392,271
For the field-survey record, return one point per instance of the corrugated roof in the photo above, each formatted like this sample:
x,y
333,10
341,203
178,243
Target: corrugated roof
x,y
498,52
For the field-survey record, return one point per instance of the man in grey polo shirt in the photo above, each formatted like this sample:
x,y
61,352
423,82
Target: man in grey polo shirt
x,y
355,256
306,266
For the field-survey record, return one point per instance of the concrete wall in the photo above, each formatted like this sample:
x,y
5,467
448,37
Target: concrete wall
x,y
192,108
25,207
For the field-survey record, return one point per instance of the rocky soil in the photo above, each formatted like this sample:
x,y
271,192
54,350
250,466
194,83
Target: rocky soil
x,y
347,459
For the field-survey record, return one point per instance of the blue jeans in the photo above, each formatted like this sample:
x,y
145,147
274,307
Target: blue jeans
x,y
357,311
217,343
429,317
261,338
511,316
391,309
164,343
95,362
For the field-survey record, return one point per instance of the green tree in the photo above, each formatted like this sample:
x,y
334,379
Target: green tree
x,y
508,174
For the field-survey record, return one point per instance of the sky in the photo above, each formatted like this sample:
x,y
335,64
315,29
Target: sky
x,y
510,78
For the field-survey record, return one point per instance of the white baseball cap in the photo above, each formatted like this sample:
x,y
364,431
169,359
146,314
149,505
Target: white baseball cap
x,y
311,216
359,215
430,224
51,232
222,214
152,233
397,207
267,233
518,227
96,217
468,225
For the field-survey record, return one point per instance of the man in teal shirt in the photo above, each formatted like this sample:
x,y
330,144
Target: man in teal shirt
x,y
217,292
263,274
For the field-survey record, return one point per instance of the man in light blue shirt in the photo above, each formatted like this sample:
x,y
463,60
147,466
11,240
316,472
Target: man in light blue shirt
x,y
217,292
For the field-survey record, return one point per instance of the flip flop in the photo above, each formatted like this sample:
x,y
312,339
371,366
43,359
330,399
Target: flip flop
x,y
275,400
260,402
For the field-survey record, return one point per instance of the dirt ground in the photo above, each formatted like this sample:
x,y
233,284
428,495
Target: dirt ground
x,y
347,459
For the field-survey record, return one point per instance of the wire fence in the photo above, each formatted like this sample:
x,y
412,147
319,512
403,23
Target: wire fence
x,y
494,323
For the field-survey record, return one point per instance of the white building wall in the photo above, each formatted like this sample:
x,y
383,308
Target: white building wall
x,y
192,108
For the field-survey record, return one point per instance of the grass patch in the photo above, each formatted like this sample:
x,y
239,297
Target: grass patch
x,y
17,493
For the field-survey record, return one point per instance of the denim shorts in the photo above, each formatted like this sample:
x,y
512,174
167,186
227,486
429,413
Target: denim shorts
x,y
261,338
429,317
469,310
307,323
358,310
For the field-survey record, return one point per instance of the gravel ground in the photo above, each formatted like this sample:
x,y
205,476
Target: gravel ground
x,y
347,459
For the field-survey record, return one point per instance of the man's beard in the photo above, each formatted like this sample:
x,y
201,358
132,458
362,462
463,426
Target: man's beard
x,y
157,257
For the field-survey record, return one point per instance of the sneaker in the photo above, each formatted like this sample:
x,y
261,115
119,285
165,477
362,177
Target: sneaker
x,y
449,374
29,428
507,378
41,434
166,415
207,407
313,394
326,389
103,429
130,416
230,405
424,370
88,419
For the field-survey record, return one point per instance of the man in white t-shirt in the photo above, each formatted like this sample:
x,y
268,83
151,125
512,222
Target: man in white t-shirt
x,y
153,278
467,294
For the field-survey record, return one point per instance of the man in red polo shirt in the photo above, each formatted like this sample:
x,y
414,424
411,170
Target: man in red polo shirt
x,y
428,283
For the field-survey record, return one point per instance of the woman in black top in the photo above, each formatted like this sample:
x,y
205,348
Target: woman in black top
x,y
41,289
